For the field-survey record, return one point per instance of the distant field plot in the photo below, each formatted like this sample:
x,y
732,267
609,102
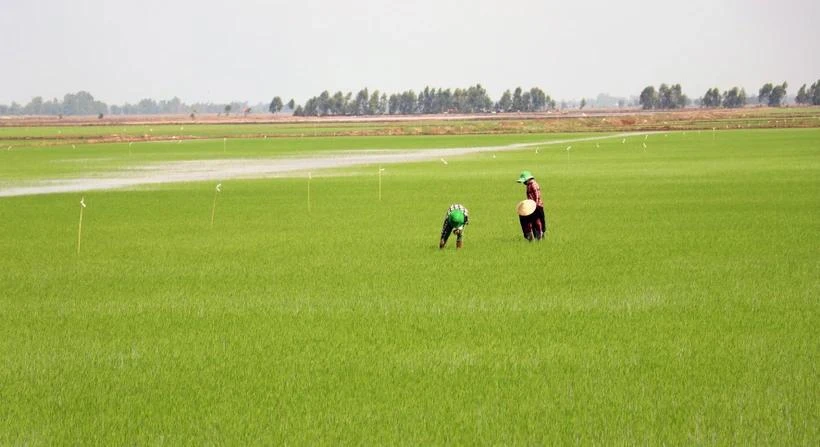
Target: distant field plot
x,y
674,301
48,131
34,163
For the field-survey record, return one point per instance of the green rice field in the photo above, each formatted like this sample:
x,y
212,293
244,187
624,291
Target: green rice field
x,y
675,299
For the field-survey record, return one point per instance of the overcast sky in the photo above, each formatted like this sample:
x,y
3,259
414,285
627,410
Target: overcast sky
x,y
252,50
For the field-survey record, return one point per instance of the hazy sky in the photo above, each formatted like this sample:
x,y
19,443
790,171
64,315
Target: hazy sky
x,y
252,50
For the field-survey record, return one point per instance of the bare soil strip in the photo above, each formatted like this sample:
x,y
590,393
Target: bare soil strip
x,y
220,170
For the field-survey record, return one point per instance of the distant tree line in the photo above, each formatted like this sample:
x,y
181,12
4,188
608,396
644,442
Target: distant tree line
x,y
83,103
810,95
730,99
769,94
80,103
666,97
175,106
473,99
772,95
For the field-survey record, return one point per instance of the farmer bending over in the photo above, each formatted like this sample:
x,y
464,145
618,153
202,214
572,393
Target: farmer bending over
x,y
454,222
535,225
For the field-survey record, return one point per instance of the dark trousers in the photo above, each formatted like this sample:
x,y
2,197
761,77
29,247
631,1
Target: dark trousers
x,y
447,229
534,225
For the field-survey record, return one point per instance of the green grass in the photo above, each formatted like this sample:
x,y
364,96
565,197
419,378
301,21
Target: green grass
x,y
674,302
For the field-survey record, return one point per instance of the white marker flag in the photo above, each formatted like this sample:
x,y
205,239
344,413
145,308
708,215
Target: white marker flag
x,y
213,208
380,182
80,226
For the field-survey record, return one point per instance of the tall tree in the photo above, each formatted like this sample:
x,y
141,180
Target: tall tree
x,y
338,103
361,105
478,100
408,101
323,105
427,100
149,106
539,99
311,107
734,98
516,100
526,102
677,99
777,94
34,107
445,100
373,103
802,95
393,104
275,105
505,103
649,98
764,93
292,104
663,96
82,103
711,98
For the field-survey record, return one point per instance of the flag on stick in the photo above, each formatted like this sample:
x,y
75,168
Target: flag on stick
x,y
80,226
213,208
381,169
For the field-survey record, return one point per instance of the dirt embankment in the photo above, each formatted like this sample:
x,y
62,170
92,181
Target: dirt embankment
x,y
104,130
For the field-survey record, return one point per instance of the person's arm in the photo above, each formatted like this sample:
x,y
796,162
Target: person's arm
x,y
533,192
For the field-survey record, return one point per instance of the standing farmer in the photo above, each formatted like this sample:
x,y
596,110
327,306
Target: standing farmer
x,y
454,221
534,226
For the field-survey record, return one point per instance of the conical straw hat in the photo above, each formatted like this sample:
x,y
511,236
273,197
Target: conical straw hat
x,y
525,207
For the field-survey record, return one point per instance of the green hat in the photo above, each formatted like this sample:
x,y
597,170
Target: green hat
x,y
456,218
524,177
